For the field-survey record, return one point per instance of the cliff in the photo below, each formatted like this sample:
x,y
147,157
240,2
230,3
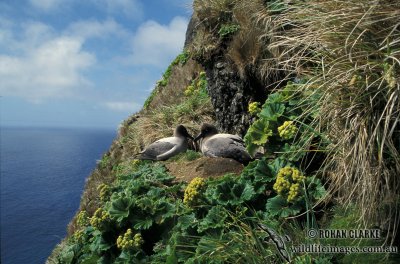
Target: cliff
x,y
314,90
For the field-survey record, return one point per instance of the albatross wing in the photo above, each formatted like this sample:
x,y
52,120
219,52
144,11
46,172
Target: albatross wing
x,y
163,149
227,146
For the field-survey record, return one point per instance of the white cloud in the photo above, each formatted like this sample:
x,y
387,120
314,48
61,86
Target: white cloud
x,y
156,45
46,5
39,63
122,106
50,70
42,64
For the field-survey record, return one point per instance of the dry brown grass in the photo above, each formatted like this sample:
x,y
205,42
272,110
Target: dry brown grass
x,y
204,45
209,16
213,13
246,47
252,45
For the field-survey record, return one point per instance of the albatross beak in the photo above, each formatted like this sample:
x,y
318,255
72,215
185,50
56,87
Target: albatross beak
x,y
198,137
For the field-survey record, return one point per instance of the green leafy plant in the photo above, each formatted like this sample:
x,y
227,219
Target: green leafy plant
x,y
227,30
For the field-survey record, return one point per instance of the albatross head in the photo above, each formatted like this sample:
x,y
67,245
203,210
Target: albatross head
x,y
207,130
180,131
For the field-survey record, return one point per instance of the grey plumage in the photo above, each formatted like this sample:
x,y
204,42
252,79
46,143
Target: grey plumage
x,y
166,148
213,144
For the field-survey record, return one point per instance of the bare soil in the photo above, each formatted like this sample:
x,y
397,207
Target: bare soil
x,y
204,167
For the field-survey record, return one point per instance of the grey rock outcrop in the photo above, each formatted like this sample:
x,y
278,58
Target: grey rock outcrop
x,y
231,95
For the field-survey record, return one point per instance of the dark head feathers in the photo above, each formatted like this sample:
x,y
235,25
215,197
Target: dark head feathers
x,y
206,131
181,131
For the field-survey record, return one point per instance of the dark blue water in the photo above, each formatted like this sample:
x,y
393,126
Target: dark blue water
x,y
43,174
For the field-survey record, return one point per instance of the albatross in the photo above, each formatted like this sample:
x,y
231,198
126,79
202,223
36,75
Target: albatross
x,y
213,144
168,147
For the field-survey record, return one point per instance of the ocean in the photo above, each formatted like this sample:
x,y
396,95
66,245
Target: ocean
x,y
43,172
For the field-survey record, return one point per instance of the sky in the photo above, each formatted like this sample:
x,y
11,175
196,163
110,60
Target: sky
x,y
91,63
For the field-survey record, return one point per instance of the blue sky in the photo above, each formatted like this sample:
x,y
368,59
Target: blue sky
x,y
87,63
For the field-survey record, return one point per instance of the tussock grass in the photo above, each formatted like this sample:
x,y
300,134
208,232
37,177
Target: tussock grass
x,y
214,13
350,53
247,48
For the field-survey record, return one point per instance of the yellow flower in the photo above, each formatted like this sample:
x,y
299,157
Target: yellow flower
x,y
193,191
202,83
128,241
296,176
288,130
254,108
79,236
289,183
105,191
293,192
189,90
100,218
82,219
281,185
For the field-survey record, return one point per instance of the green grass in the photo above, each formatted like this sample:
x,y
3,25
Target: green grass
x,y
180,60
189,155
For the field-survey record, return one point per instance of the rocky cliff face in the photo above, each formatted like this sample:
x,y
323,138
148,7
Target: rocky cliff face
x,y
232,63
230,96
